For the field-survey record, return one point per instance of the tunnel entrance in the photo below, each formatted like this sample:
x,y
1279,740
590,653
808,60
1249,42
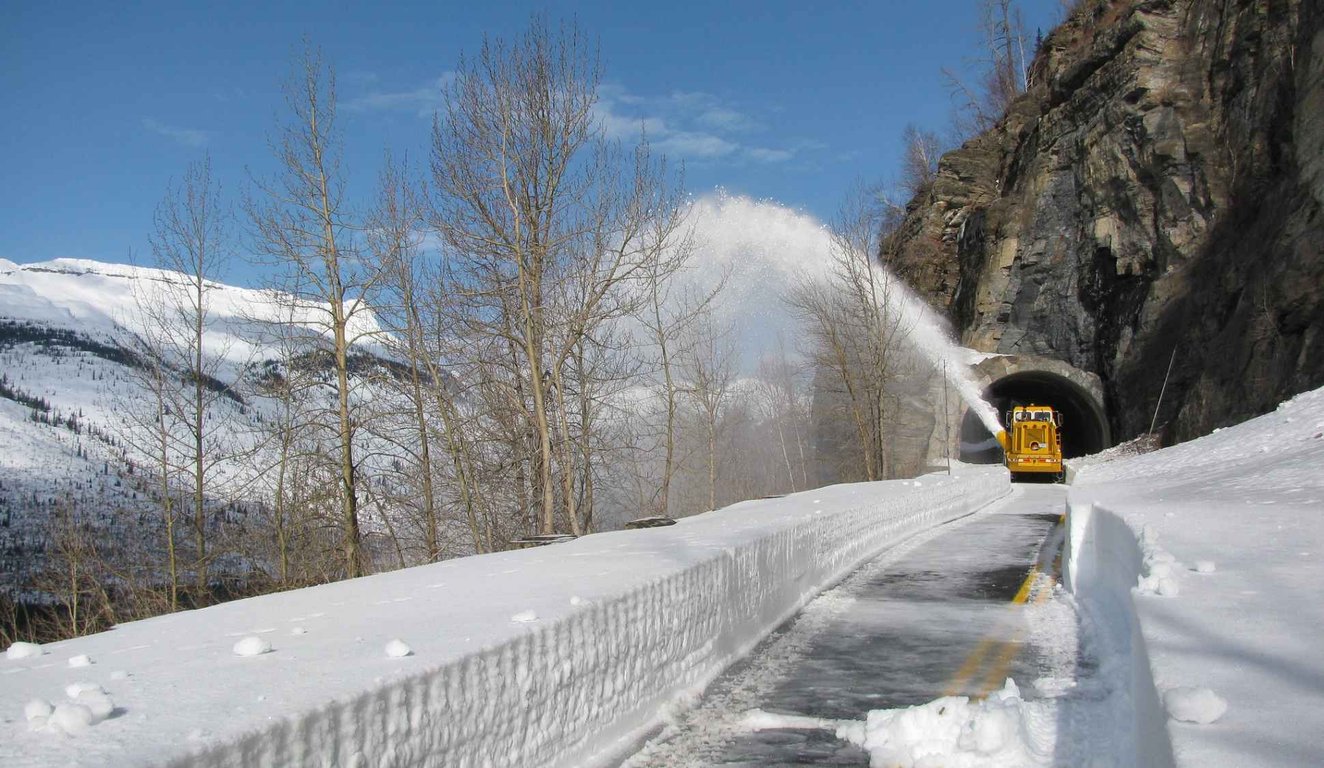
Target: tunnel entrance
x,y
1084,427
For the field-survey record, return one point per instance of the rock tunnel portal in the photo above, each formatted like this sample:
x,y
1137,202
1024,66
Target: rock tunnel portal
x,y
1017,381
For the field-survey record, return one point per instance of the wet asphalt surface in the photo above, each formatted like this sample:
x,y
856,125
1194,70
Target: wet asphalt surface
x,y
903,637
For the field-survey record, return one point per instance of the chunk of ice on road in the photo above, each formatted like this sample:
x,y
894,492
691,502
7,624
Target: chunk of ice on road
x,y
524,617
23,651
397,649
252,646
298,631
1204,566
1190,704
81,660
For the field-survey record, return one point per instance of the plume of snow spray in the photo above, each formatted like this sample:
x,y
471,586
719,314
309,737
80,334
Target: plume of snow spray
x,y
929,335
761,248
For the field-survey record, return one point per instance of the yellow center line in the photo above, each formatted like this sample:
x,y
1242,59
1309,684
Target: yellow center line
x,y
997,672
976,659
1005,650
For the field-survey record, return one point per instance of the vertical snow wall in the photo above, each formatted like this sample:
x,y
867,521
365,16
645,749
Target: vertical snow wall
x,y
1101,568
579,690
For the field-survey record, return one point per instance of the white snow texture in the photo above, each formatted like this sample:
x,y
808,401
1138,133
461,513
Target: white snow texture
x,y
662,612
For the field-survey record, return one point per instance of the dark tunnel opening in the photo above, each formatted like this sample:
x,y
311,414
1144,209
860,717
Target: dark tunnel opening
x,y
1084,428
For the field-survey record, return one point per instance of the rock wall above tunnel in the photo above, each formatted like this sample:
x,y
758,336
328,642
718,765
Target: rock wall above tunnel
x,y
1156,196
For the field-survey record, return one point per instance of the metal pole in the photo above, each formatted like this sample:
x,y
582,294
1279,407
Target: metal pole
x,y
1154,420
946,421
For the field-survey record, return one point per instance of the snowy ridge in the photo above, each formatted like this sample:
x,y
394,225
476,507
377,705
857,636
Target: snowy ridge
x,y
557,656
96,298
1204,561
72,400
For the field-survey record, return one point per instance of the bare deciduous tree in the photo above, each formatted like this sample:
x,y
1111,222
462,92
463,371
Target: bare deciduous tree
x,y
1001,68
192,239
855,332
709,371
549,228
919,164
304,225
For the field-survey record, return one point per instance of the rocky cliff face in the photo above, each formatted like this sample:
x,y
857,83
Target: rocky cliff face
x,y
1157,195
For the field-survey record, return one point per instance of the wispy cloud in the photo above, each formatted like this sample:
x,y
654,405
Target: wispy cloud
x,y
690,125
189,137
766,155
423,100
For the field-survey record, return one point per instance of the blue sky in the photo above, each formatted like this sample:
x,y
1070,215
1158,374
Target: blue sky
x,y
785,101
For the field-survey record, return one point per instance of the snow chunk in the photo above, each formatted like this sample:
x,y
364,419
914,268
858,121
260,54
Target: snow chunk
x,y
81,660
1194,705
23,651
37,708
252,646
397,649
298,631
74,690
1204,566
98,702
524,617
956,733
71,719
90,706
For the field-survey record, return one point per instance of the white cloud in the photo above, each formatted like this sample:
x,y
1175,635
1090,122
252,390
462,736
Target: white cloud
x,y
727,119
423,101
701,146
688,125
189,137
765,155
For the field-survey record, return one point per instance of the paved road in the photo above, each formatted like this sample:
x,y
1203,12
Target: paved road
x,y
943,613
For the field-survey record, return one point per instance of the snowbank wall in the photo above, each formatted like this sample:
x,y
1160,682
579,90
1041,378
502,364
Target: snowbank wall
x,y
626,623
1102,566
579,691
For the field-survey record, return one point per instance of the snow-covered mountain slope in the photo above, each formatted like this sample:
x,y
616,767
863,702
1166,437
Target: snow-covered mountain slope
x,y
74,403
102,301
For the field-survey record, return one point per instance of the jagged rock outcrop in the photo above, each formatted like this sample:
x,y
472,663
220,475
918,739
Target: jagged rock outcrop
x,y
1157,195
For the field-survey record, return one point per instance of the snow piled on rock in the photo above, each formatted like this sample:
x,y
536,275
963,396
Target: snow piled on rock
x,y
660,612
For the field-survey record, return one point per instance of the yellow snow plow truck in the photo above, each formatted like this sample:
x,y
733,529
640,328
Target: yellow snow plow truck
x,y
1033,442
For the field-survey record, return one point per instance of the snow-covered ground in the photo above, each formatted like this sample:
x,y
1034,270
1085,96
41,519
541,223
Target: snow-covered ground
x,y
1222,539
561,655
1197,572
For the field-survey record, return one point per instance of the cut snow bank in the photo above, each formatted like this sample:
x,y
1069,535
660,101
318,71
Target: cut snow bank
x,y
625,624
1204,560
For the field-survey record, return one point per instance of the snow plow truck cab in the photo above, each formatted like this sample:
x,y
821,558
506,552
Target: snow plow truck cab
x,y
1032,442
